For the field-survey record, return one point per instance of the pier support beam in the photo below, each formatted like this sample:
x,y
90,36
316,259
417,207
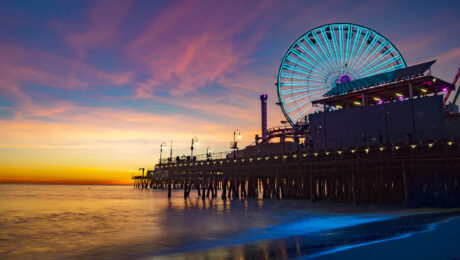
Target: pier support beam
x,y
169,188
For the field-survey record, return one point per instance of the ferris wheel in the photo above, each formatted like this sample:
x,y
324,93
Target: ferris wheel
x,y
328,55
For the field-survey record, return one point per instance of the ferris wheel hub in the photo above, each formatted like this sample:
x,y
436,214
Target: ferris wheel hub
x,y
344,79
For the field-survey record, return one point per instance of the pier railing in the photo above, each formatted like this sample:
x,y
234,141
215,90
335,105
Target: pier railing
x,y
200,157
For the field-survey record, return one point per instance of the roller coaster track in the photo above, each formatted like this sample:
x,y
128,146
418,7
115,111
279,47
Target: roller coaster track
x,y
448,93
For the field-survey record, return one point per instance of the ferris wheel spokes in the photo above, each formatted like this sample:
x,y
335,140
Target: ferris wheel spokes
x,y
327,55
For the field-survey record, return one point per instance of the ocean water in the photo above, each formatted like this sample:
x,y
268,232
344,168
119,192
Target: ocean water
x,y
119,222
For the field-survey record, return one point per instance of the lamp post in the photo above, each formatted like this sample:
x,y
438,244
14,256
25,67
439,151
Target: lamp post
x,y
163,144
194,141
235,143
208,152
170,152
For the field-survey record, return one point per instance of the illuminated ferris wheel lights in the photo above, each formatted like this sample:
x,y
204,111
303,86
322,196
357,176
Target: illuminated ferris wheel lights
x,y
302,96
299,90
329,55
376,60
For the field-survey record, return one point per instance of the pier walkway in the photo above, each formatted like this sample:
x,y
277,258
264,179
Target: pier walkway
x,y
414,175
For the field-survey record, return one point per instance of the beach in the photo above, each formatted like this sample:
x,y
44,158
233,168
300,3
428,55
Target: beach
x,y
399,237
440,241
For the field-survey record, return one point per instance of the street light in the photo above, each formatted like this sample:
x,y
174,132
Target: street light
x,y
163,144
235,143
208,152
170,153
194,141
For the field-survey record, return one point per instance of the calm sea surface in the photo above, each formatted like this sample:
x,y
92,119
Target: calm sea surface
x,y
119,222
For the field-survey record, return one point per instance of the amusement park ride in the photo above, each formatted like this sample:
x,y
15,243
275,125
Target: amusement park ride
x,y
351,73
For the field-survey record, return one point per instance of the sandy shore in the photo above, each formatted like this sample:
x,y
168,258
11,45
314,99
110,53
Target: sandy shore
x,y
442,241
422,234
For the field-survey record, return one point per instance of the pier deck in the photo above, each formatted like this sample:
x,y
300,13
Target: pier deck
x,y
413,175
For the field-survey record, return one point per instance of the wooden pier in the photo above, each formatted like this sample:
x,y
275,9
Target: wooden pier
x,y
412,175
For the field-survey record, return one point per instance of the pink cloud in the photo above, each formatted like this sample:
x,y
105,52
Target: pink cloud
x,y
69,125
450,55
193,43
239,102
19,66
419,47
101,26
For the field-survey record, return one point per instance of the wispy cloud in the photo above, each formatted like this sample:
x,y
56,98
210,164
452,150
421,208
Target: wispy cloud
x,y
450,55
100,27
20,66
194,43
68,125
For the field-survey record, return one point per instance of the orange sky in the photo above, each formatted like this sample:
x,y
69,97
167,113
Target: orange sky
x,y
99,148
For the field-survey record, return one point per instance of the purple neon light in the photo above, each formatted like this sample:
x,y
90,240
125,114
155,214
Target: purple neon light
x,y
344,79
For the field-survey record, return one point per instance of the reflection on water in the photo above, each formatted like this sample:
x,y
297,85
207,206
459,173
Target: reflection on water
x,y
73,221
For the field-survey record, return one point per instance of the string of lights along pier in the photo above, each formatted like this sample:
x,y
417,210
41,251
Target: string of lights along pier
x,y
328,55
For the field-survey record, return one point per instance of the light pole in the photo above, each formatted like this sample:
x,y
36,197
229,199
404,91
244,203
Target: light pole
x,y
170,153
208,152
235,143
194,141
163,144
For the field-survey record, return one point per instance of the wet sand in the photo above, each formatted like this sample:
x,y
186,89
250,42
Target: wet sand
x,y
440,241
424,234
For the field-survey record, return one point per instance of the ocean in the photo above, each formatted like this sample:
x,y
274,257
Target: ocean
x,y
120,222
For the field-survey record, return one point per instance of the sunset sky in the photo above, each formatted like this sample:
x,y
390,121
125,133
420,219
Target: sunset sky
x,y
90,89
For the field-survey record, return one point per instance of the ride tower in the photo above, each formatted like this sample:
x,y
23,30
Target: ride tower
x,y
263,106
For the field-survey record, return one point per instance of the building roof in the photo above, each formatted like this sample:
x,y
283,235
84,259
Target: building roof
x,y
388,92
392,76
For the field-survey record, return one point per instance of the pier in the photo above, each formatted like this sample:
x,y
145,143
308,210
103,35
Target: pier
x,y
372,131
410,175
